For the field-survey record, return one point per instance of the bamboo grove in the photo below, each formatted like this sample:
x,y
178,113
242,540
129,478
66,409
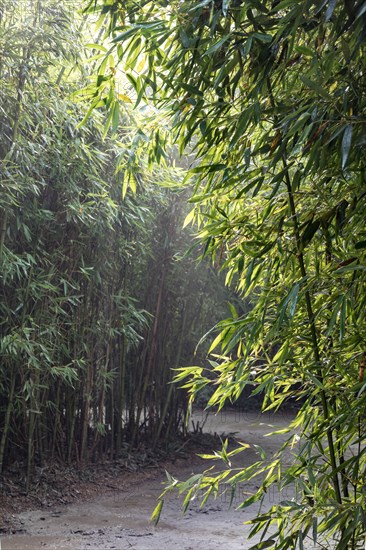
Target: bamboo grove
x,y
270,96
94,304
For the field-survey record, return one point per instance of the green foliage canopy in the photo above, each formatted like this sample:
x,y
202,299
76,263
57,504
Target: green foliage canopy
x,y
270,95
91,294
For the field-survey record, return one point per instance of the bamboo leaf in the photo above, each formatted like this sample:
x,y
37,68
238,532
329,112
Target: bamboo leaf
x,y
225,7
126,34
308,234
270,543
315,87
216,341
124,98
330,9
212,49
189,218
349,269
315,530
155,516
98,47
346,144
115,117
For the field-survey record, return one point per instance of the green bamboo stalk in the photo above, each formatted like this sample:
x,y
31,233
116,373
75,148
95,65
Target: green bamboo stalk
x,y
71,413
313,333
310,312
86,398
33,413
8,413
341,457
121,393
150,358
171,386
3,228
56,420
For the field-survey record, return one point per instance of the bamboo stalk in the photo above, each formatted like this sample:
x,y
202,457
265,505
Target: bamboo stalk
x,y
56,421
310,312
86,397
121,394
3,228
150,358
71,412
33,412
314,337
340,452
171,386
9,410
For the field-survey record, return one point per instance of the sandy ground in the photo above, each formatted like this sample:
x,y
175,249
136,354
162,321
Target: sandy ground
x,y
120,521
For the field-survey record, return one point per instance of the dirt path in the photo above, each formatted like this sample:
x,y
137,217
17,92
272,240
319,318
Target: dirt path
x,y
121,521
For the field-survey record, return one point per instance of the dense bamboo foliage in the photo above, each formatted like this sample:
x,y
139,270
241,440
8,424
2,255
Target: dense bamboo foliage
x,y
94,305
271,97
